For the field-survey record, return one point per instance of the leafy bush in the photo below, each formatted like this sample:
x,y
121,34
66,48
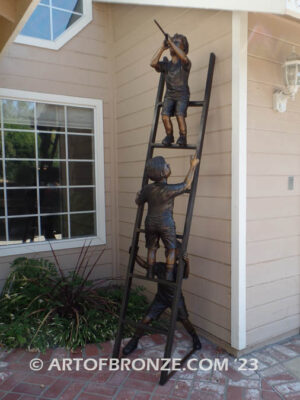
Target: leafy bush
x,y
42,307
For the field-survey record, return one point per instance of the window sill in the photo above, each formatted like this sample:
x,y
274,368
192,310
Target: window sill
x,y
39,247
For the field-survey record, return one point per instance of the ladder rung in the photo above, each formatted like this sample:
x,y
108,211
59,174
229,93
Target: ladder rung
x,y
164,281
177,235
196,103
145,327
174,146
191,103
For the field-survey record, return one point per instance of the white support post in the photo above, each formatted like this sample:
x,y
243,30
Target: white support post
x,y
239,179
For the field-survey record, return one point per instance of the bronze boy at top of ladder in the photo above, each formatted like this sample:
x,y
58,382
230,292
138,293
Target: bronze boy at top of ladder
x,y
177,95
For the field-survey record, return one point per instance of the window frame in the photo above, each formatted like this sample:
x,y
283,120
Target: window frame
x,y
97,105
86,18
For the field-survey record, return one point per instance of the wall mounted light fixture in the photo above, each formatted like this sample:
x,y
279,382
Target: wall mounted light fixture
x,y
291,72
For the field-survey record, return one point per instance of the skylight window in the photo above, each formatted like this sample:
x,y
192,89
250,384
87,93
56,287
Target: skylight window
x,y
54,22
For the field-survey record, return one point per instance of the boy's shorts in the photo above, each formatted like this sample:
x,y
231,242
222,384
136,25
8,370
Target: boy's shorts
x,y
157,307
173,107
154,230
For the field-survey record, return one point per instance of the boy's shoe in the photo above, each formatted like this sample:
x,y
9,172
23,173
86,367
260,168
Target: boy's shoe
x,y
168,140
181,141
130,346
196,342
150,272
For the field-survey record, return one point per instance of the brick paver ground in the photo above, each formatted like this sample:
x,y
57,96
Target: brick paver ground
x,y
277,376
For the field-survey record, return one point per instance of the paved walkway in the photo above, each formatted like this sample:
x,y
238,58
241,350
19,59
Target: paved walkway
x,y
278,375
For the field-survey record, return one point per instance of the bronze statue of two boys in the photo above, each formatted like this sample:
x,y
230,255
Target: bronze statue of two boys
x,y
159,223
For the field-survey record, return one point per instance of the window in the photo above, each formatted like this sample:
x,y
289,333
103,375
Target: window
x,y
51,170
54,22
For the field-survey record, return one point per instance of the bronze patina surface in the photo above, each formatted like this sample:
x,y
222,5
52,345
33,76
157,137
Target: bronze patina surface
x,y
177,94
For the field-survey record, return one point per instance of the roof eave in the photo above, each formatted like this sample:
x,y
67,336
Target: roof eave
x,y
283,7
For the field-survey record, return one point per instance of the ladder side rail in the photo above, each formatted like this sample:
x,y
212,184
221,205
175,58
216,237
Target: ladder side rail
x,y
138,221
190,208
207,94
164,376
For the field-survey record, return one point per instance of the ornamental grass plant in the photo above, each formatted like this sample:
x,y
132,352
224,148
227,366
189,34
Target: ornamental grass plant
x,y
42,306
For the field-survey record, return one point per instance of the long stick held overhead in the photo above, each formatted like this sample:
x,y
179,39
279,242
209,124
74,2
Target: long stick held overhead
x,y
160,28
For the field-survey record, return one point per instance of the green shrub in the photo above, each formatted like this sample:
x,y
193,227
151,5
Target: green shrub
x,y
42,307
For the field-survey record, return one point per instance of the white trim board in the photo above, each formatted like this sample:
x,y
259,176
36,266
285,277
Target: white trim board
x,y
97,104
274,6
239,179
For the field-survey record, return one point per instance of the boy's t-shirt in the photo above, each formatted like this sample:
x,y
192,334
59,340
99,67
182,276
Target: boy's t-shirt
x,y
176,78
160,198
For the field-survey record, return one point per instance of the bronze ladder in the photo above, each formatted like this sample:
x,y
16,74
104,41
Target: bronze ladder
x,y
165,375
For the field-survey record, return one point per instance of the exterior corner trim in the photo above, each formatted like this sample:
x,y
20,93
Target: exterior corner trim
x,y
239,179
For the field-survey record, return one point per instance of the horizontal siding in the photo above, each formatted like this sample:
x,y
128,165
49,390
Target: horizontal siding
x,y
274,311
273,329
270,292
273,228
272,249
273,211
276,143
81,68
136,39
275,270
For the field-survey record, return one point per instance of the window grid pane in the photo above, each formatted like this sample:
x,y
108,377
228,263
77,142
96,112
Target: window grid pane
x,y
70,5
47,213
51,19
4,170
68,183
62,20
37,171
39,23
56,17
19,144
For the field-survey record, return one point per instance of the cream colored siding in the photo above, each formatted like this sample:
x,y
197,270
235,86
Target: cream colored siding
x,y
136,39
273,211
82,68
109,59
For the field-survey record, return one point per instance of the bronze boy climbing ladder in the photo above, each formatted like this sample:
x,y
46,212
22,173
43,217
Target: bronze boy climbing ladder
x,y
185,237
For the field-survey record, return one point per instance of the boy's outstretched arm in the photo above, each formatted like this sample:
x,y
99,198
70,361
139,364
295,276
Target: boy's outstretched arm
x,y
177,189
179,52
189,177
155,59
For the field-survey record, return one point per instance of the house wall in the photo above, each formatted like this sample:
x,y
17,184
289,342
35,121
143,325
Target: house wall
x,y
109,59
81,68
136,38
273,211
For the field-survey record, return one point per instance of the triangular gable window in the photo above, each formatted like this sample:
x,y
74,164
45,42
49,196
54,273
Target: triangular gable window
x,y
55,22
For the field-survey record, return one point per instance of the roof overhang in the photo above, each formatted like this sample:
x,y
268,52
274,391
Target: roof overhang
x,y
13,16
15,13
284,7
